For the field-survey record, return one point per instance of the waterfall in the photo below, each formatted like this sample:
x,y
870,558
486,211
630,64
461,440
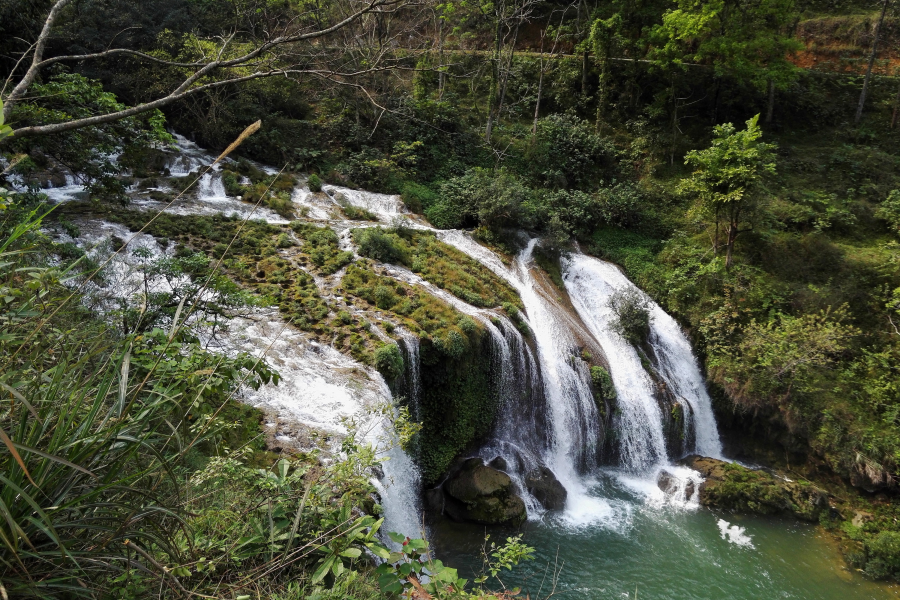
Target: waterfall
x,y
211,186
679,368
413,374
590,283
547,416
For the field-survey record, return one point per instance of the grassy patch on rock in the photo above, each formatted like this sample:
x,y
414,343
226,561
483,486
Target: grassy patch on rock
x,y
438,263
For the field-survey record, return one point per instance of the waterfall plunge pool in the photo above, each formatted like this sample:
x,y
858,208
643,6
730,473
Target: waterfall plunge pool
x,y
667,552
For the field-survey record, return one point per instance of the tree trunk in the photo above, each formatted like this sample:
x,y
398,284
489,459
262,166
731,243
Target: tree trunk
x,y
537,104
896,108
441,58
716,237
504,80
770,110
732,235
584,74
872,55
674,124
495,84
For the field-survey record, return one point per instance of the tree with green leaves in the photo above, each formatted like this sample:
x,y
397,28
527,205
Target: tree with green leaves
x,y
748,40
727,177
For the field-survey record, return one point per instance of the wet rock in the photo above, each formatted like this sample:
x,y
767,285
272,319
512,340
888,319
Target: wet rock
x,y
733,487
546,488
689,490
871,477
479,493
667,482
499,463
434,500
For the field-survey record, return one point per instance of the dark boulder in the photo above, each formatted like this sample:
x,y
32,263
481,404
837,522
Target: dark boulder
x,y
546,488
479,493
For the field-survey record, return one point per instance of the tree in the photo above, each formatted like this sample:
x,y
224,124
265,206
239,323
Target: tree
x,y
748,40
727,177
870,64
341,44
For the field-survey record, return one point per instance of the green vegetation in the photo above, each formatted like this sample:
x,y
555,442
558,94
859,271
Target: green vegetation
x,y
631,310
437,263
630,144
314,183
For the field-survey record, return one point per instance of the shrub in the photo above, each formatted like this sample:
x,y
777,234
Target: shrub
x,y
603,382
376,243
389,361
890,210
314,183
884,555
632,314
567,153
417,197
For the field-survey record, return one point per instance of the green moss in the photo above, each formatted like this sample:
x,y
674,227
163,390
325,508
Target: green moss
x,y
321,246
437,263
548,261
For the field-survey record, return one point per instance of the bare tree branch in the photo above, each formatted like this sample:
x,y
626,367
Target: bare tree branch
x,y
262,58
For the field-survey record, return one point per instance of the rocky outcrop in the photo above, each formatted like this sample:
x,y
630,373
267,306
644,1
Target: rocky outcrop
x,y
670,484
546,488
733,487
483,494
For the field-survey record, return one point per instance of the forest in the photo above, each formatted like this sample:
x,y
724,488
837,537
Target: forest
x,y
738,161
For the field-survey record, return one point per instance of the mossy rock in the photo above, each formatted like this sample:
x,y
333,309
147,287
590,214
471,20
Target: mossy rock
x,y
734,487
482,494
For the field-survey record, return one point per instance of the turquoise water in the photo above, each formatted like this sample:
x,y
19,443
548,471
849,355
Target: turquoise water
x,y
623,536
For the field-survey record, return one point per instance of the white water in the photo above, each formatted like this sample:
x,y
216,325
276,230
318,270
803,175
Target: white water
x,y
590,283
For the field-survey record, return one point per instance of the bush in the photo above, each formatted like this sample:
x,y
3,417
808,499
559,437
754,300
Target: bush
x,y
314,183
492,199
890,210
632,314
389,361
603,382
884,555
378,244
417,197
567,153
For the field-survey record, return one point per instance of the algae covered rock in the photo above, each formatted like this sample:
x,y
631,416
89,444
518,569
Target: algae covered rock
x,y
479,493
733,487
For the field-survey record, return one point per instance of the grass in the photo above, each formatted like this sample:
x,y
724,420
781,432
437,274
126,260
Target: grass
x,y
437,263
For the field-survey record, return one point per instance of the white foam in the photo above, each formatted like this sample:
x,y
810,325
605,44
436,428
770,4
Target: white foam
x,y
734,534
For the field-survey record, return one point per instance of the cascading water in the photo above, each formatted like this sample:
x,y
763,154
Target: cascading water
x,y
547,416
591,283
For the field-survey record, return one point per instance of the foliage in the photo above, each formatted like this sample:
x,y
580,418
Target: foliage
x,y
889,210
88,151
491,199
405,570
727,175
744,40
631,309
314,183
389,361
567,153
602,381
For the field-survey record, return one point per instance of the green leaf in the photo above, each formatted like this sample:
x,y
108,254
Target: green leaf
x,y
351,553
396,537
320,573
